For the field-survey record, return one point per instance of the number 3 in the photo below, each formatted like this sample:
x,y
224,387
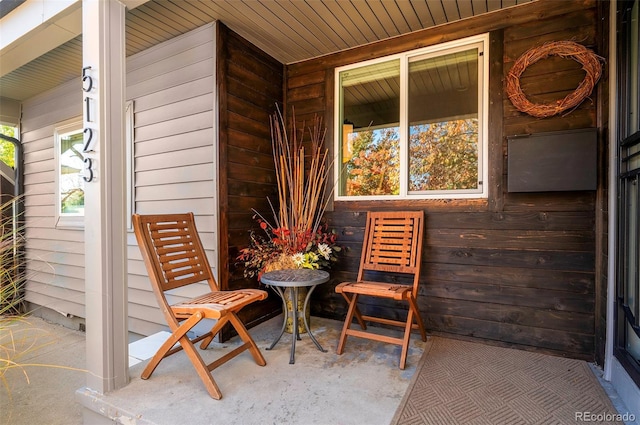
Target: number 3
x,y
89,164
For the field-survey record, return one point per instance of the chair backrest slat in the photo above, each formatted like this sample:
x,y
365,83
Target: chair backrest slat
x,y
173,247
393,243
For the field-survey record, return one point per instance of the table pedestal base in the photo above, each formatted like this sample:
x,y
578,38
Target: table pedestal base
x,y
293,313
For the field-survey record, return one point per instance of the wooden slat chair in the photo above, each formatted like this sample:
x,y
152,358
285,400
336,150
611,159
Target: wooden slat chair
x,y
392,244
174,257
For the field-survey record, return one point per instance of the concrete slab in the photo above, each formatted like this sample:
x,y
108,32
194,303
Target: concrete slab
x,y
364,385
50,367
143,349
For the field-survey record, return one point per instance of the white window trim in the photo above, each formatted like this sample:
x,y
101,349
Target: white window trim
x,y
77,221
483,122
72,221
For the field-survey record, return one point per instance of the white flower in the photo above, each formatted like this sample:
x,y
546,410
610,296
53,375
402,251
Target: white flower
x,y
298,258
324,250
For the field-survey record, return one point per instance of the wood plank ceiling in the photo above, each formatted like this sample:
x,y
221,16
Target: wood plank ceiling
x,y
289,30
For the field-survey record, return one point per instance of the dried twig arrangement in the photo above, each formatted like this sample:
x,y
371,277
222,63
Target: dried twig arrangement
x,y
566,49
296,236
301,190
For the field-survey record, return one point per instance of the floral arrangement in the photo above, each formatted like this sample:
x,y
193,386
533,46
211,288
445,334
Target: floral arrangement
x,y
317,250
297,237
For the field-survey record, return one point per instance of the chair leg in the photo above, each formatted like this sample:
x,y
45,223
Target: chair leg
x,y
213,332
201,368
359,318
175,337
405,340
413,312
180,335
347,322
414,305
208,338
244,335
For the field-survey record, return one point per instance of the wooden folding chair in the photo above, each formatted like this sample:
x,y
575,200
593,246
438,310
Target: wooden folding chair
x,y
174,256
392,245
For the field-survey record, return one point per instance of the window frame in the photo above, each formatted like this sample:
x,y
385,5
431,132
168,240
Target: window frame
x,y
76,221
65,220
482,41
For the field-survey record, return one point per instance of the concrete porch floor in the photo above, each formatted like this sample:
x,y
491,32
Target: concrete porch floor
x,y
362,386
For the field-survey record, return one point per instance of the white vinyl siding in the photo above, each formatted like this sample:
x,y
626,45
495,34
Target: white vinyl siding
x,y
171,87
55,257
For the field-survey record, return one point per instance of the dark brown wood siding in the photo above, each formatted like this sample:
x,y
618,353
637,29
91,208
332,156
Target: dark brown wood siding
x,y
250,83
517,269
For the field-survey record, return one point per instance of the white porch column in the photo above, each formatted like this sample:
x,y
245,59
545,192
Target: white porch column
x,y
103,28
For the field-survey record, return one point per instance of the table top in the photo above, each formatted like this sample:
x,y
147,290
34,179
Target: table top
x,y
294,277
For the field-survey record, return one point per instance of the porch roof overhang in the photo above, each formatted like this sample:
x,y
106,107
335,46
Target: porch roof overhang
x,y
41,41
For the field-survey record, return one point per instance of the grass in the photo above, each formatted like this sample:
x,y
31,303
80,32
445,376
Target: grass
x,y
12,281
12,277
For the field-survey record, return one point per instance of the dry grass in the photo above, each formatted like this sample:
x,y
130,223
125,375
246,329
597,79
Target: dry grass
x,y
12,346
18,340
11,270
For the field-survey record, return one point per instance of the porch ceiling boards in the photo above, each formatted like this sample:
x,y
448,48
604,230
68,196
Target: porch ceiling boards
x,y
289,30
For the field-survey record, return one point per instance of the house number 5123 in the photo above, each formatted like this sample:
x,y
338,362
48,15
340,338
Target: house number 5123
x,y
87,86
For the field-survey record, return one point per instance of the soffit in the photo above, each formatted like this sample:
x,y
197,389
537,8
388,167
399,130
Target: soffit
x,y
289,30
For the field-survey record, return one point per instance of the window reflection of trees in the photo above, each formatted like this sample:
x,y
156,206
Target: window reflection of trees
x,y
442,156
71,182
374,167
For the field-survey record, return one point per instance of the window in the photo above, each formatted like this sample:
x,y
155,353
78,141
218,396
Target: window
x,y
7,149
414,124
70,171
69,140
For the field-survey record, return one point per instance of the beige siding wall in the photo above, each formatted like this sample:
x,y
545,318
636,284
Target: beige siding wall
x,y
172,87
55,256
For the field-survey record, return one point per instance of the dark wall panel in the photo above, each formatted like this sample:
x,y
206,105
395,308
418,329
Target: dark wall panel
x,y
518,269
250,83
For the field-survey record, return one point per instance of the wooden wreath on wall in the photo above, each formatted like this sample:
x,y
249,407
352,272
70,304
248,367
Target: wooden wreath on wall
x,y
566,49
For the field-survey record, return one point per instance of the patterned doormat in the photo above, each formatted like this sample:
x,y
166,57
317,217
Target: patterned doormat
x,y
459,382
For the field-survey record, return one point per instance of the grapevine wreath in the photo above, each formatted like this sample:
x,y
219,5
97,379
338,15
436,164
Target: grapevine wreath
x,y
566,49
